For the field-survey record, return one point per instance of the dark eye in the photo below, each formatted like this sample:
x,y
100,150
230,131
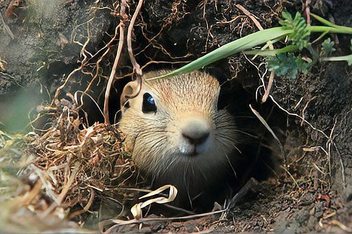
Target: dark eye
x,y
148,103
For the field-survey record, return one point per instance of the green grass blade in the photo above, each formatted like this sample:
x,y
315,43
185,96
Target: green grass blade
x,y
253,40
231,48
289,48
323,21
341,29
328,29
347,58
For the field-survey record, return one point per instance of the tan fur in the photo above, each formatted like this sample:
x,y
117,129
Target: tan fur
x,y
153,138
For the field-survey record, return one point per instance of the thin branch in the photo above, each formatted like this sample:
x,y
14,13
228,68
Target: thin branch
x,y
272,73
161,219
136,67
117,58
266,125
296,115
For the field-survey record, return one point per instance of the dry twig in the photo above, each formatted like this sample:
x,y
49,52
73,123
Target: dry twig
x,y
123,19
136,67
272,73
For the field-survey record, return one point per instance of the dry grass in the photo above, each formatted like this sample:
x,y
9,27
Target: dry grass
x,y
62,172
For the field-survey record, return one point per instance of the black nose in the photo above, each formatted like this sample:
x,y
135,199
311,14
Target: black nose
x,y
195,137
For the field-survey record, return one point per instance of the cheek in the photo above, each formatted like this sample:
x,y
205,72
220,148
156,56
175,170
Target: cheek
x,y
226,131
129,125
173,135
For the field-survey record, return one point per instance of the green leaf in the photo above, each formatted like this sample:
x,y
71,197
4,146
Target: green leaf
x,y
328,29
287,65
335,28
340,28
327,47
289,48
323,21
295,28
347,58
301,33
231,48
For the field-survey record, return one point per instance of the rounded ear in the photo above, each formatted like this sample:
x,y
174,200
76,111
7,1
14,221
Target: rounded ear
x,y
130,90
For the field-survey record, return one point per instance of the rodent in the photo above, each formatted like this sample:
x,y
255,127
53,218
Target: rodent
x,y
178,134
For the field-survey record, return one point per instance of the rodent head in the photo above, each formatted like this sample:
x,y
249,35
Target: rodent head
x,y
174,128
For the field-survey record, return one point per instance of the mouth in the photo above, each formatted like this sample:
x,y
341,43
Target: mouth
x,y
190,150
190,154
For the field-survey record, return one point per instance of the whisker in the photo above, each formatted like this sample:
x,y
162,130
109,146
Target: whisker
x,y
164,168
187,184
225,145
244,117
232,168
247,134
226,125
203,174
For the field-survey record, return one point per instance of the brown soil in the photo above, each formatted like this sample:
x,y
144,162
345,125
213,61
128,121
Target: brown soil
x,y
313,191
